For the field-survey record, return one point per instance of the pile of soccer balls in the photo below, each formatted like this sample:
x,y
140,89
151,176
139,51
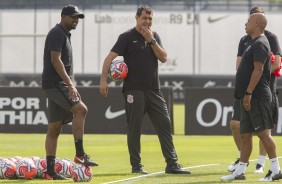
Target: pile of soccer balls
x,y
27,168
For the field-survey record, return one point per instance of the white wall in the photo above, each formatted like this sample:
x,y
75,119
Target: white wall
x,y
194,45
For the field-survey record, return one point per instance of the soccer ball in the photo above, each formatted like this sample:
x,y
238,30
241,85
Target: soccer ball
x,y
118,70
26,168
63,167
15,159
7,168
41,167
81,173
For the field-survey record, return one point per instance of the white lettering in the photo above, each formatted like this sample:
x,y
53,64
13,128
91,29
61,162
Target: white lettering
x,y
20,84
20,118
18,103
177,85
32,102
217,115
4,102
40,118
33,84
23,117
86,83
3,114
226,111
29,117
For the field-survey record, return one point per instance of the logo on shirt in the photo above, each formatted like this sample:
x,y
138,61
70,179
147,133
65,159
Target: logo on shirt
x,y
248,48
130,98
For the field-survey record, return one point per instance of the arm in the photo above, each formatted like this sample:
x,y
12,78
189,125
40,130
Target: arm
x,y
157,49
238,61
159,52
60,69
106,66
255,77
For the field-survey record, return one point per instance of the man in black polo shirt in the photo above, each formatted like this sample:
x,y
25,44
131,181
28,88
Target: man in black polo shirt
x,y
64,101
252,88
141,49
275,69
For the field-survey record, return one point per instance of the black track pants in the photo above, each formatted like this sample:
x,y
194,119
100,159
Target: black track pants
x,y
137,103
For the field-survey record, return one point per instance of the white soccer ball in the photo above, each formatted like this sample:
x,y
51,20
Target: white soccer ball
x,y
26,168
81,173
41,167
7,168
63,167
118,70
15,159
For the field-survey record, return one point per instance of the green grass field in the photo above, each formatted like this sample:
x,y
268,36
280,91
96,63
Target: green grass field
x,y
205,156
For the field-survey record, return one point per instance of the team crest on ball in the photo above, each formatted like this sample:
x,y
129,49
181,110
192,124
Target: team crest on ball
x,y
118,70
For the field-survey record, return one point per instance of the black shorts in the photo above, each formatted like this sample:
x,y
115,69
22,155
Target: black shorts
x,y
59,104
275,107
259,118
236,110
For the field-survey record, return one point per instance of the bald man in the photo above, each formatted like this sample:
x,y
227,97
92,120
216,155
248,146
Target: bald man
x,y
253,91
275,69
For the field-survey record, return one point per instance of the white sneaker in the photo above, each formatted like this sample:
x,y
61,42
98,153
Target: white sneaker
x,y
233,166
259,168
233,176
271,177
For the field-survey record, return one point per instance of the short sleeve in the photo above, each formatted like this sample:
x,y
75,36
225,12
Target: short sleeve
x,y
121,45
56,41
260,52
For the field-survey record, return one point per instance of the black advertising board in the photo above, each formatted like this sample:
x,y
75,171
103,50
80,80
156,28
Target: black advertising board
x,y
23,110
209,111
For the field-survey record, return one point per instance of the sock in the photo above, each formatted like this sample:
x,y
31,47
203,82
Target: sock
x,y
50,165
241,168
274,165
261,160
79,147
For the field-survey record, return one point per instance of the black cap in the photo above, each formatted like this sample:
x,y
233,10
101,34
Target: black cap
x,y
72,10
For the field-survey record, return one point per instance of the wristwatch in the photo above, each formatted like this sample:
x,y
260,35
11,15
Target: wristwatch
x,y
152,42
247,93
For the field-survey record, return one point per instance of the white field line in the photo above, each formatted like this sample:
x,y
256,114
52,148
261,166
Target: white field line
x,y
161,172
157,173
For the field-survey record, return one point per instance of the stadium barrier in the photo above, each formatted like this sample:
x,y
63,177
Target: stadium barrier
x,y
209,111
24,110
177,82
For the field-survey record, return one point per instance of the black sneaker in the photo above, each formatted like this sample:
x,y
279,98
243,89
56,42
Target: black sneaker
x,y
56,176
139,170
277,176
271,176
85,160
176,169
259,169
